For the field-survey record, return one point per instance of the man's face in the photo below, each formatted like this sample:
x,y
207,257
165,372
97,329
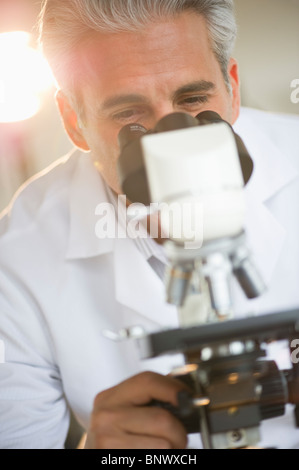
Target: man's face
x,y
140,77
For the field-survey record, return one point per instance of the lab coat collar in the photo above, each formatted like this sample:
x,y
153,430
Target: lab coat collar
x,y
134,275
87,191
139,288
273,171
132,272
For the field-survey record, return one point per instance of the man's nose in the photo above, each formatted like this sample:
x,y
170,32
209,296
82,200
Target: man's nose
x,y
160,112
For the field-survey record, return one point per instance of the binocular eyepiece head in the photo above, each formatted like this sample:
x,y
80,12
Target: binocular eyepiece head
x,y
131,166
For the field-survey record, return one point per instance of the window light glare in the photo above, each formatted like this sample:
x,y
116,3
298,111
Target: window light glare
x,y
24,76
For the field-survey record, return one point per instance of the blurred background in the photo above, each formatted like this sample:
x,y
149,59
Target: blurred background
x,y
31,133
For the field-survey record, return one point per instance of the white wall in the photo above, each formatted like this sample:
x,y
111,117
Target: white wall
x,y
268,52
28,147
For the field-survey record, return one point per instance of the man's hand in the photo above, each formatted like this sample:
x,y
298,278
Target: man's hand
x,y
121,419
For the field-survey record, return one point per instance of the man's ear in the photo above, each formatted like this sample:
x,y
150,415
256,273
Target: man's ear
x,y
235,84
70,121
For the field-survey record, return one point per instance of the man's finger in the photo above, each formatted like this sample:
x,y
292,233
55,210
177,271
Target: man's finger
x,y
140,390
150,422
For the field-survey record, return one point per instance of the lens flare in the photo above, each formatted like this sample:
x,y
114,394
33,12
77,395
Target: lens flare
x,y
24,77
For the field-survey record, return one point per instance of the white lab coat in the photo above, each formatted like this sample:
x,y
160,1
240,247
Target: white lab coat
x,y
61,286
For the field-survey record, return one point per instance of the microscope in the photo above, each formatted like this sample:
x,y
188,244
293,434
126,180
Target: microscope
x,y
195,170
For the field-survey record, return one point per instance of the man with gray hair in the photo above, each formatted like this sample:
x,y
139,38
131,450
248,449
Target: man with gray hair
x,y
116,62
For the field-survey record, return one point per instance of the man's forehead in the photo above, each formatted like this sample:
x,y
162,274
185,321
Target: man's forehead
x,y
163,36
122,68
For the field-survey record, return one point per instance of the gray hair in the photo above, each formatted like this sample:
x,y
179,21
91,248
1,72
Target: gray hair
x,y
63,24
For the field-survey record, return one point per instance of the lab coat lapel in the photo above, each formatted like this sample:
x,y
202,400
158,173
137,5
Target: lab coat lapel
x,y
138,287
272,173
87,192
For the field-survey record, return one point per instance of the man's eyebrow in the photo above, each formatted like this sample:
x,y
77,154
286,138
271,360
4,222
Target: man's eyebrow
x,y
132,98
119,100
194,87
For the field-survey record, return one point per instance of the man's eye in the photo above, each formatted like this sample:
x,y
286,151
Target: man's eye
x,y
127,114
193,100
132,114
